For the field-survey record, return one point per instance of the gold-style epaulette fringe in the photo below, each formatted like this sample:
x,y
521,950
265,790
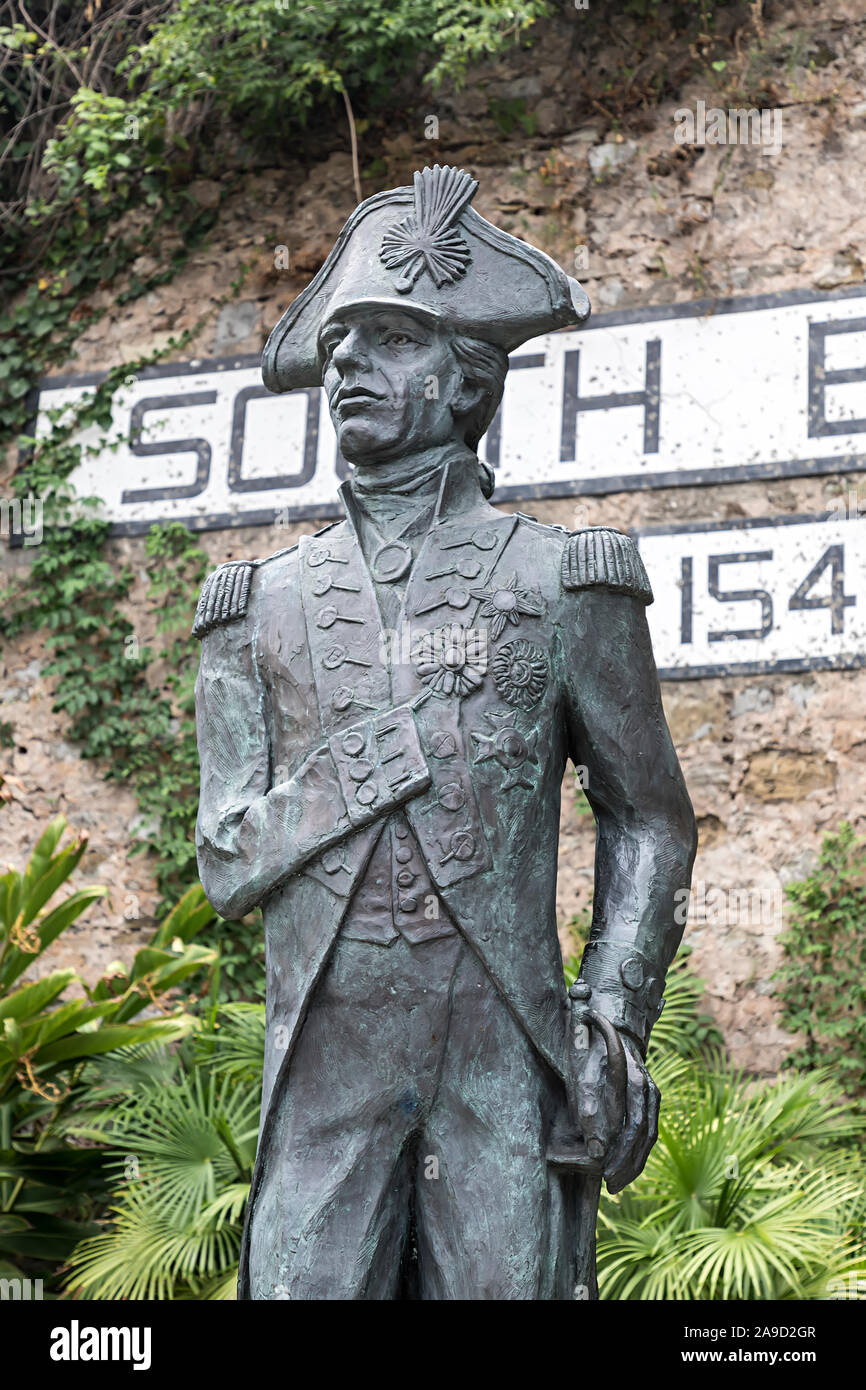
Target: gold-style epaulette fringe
x,y
601,556
223,597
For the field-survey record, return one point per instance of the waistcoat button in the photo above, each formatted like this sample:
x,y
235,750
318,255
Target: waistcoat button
x,y
452,796
443,745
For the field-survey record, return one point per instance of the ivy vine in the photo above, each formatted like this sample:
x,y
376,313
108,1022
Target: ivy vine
x,y
129,705
822,986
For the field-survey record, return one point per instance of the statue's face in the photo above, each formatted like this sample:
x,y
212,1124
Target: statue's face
x,y
391,379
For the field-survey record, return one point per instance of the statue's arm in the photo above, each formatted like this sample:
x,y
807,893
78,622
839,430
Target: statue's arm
x,y
255,831
646,836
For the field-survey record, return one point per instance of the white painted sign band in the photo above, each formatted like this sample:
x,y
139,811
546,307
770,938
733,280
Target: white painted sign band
x,y
672,396
774,594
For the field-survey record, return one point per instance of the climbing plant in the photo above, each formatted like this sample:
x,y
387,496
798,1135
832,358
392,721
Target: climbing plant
x,y
822,980
129,703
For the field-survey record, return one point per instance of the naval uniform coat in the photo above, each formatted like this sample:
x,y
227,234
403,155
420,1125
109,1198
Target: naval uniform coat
x,y
308,735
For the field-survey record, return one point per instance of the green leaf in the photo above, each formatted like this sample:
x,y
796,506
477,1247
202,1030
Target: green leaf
x,y
112,1036
31,999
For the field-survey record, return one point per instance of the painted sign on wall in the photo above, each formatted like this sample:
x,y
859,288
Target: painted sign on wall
x,y
663,397
773,594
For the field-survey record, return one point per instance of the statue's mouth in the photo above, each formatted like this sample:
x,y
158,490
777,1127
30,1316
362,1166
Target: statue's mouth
x,y
355,396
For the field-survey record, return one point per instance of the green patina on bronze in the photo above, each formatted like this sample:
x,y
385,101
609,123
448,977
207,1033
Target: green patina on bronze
x,y
385,713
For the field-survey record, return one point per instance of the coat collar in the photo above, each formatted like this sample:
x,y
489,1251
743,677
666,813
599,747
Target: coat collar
x,y
459,489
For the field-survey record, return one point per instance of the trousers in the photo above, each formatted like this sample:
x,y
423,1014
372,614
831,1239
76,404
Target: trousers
x,y
407,1154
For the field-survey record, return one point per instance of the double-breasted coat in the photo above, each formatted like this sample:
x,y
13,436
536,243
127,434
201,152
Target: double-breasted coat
x,y
314,724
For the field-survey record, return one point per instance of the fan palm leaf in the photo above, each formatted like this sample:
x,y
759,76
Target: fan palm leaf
x,y
183,1141
741,1197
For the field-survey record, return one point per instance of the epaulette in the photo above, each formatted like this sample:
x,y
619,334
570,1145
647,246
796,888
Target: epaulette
x,y
598,555
226,592
224,596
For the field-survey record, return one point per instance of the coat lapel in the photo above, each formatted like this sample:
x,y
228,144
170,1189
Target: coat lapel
x,y
435,657
344,630
442,658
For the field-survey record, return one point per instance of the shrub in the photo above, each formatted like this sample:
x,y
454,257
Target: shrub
x,y
182,1130
749,1193
50,1187
823,976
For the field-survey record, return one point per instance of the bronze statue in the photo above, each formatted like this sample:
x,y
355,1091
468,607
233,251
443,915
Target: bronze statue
x,y
385,714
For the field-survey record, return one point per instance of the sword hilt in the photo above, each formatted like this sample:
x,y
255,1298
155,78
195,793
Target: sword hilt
x,y
571,1150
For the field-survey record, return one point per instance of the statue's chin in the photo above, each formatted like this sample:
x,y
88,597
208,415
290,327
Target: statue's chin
x,y
362,444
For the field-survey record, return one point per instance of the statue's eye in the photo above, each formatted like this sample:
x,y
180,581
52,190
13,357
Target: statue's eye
x,y
396,339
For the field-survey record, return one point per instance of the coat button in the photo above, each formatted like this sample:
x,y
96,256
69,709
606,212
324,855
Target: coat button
x,y
462,845
319,555
452,796
353,744
408,904
360,770
366,793
401,830
631,973
403,854
443,745
484,540
391,562
405,878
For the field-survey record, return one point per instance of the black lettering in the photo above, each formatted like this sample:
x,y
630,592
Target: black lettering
x,y
650,398
820,378
740,595
236,482
837,600
200,447
686,599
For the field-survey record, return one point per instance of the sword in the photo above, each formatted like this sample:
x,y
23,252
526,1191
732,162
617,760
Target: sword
x,y
568,1147
569,1152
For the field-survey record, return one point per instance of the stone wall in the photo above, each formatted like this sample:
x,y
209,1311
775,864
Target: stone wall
x,y
771,763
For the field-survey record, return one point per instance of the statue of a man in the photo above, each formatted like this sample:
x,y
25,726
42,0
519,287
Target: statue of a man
x,y
385,714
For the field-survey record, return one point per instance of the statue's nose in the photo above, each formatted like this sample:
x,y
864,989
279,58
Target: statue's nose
x,y
350,351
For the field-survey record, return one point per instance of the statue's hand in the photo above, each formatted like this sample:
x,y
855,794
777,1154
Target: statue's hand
x,y
638,1127
619,1128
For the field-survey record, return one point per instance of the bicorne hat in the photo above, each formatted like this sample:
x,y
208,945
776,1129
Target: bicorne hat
x,y
425,249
